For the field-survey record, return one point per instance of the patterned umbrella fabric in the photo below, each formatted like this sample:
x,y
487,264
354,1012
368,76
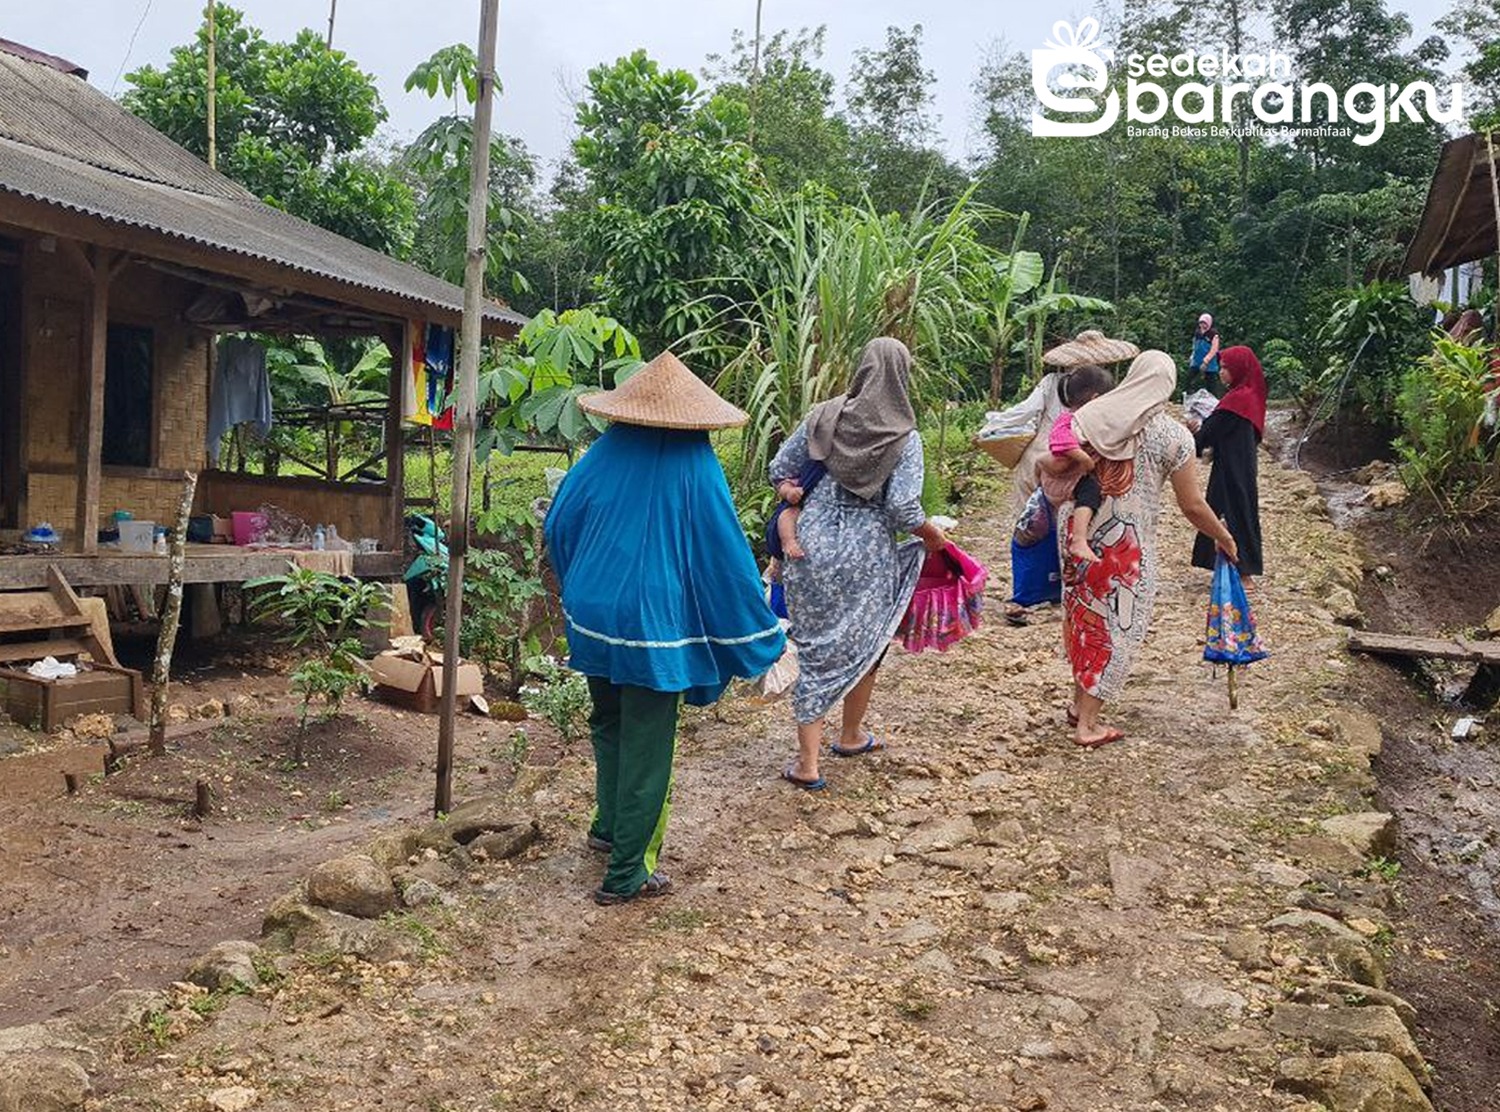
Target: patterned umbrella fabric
x,y
1231,637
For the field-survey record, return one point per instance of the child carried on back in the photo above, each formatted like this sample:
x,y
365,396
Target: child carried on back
x,y
1067,472
781,529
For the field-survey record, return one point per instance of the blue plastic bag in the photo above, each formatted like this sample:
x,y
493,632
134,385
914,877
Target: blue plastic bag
x,y
1231,637
776,599
1036,572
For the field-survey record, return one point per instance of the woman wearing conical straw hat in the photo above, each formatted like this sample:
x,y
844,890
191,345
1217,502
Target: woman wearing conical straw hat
x,y
661,596
1047,400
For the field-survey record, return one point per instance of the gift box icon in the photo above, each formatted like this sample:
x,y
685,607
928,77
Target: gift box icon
x,y
1083,64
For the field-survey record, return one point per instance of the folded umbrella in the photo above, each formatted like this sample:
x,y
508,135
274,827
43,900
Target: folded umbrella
x,y
1231,637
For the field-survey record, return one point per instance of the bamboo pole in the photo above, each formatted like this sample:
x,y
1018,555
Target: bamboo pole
x,y
468,389
755,75
171,614
333,7
213,92
1489,142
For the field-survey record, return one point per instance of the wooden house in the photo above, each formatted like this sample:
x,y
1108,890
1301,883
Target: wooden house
x,y
1459,219
122,257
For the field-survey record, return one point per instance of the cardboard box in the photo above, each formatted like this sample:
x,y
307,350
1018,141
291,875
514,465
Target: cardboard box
x,y
416,682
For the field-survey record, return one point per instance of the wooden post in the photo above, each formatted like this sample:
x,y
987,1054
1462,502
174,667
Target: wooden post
x,y
212,90
468,389
755,75
170,616
1489,142
202,800
399,340
91,436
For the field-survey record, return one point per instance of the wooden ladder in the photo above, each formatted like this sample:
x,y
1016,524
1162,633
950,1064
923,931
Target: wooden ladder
x,y
50,622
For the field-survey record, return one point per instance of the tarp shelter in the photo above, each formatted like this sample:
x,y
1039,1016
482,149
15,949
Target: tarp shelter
x,y
1458,221
122,256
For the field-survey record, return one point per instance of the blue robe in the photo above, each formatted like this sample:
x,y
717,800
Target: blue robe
x,y
659,587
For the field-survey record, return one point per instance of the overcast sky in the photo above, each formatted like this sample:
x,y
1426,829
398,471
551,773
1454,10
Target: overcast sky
x,y
547,47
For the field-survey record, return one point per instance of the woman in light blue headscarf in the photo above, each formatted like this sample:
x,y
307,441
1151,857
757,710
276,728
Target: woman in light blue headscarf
x,y
661,596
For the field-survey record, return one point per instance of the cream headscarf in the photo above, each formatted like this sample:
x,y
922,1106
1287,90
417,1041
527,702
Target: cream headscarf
x,y
1112,423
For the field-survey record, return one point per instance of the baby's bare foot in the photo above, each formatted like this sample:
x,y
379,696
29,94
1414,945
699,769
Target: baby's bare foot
x,y
793,550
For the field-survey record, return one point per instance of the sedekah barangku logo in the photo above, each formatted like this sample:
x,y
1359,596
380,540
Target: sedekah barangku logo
x,y
1226,93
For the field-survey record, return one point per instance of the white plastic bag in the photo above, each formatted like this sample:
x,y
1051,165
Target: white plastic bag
x,y
782,676
1199,404
1003,426
50,668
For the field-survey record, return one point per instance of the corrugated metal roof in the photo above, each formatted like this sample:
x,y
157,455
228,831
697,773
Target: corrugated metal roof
x,y
35,55
1458,220
64,143
42,107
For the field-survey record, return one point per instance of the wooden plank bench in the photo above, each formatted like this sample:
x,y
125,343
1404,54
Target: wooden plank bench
x,y
1432,648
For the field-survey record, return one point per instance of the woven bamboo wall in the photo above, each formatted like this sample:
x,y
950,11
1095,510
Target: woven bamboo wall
x,y
56,303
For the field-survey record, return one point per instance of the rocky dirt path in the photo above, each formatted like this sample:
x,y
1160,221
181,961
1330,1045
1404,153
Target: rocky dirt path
x,y
980,917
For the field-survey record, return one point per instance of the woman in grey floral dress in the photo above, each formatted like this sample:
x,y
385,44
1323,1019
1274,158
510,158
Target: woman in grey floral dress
x,y
848,593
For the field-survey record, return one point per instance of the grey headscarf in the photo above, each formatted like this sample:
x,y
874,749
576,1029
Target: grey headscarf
x,y
859,435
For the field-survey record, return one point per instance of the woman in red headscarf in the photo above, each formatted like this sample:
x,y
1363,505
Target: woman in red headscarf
x,y
1233,430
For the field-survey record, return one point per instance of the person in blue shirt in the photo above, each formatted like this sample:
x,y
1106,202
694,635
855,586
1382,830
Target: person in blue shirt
x,y
1205,358
661,597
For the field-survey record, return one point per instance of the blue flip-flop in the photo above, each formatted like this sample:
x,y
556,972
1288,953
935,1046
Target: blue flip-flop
x,y
872,743
806,785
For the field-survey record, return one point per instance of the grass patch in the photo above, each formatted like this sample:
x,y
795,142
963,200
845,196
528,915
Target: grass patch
x,y
913,1003
429,944
1383,867
682,919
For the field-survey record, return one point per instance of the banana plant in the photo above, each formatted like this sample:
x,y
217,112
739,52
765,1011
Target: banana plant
x,y
303,370
1011,277
1049,300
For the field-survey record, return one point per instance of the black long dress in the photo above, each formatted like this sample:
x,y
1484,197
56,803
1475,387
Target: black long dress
x,y
1233,489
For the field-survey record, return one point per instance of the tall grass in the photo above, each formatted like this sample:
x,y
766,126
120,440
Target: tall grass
x,y
827,279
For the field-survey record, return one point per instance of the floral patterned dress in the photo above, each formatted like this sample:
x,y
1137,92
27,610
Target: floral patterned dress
x,y
1107,603
848,594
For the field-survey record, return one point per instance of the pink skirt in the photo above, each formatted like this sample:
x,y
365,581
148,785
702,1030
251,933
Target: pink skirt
x,y
946,605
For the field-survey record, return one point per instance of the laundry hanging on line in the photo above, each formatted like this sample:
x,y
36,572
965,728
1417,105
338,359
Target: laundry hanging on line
x,y
241,391
427,392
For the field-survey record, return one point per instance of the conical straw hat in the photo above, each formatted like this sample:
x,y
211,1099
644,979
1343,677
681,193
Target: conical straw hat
x,y
664,394
1090,347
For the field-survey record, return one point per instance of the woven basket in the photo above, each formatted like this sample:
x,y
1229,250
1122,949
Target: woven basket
x,y
1005,450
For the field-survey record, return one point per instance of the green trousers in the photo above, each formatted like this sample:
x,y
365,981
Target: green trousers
x,y
635,736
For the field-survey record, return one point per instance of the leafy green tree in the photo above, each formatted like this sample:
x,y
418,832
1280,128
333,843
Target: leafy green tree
x,y
438,165
291,121
1477,27
1342,43
530,393
794,130
890,111
675,184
